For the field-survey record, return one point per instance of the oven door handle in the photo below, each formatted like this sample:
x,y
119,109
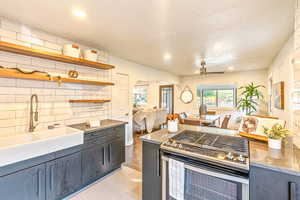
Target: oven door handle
x,y
217,175
214,174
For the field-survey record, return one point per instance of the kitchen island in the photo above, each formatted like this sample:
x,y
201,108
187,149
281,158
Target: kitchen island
x,y
265,166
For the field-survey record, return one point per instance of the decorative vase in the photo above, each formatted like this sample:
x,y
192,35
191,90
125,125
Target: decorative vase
x,y
274,143
172,126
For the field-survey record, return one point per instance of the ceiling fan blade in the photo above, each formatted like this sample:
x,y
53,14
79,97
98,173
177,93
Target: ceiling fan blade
x,y
215,72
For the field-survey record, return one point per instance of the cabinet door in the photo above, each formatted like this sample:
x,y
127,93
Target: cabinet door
x,y
93,164
273,185
151,172
28,184
115,154
63,176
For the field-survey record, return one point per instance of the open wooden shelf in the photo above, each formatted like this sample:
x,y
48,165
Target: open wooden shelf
x,y
28,51
89,101
10,73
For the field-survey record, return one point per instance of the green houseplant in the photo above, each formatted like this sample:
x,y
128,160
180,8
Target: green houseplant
x,y
275,134
249,98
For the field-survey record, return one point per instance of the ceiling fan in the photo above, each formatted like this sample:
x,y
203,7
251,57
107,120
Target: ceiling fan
x,y
203,70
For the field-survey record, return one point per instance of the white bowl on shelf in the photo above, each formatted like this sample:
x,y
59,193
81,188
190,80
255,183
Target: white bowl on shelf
x,y
71,50
90,55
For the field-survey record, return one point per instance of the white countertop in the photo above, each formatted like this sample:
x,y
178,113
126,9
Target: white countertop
x,y
29,145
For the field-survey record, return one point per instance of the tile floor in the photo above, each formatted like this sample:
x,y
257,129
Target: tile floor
x,y
123,184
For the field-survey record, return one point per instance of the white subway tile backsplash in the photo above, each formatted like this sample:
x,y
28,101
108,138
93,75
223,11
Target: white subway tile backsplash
x,y
39,47
9,25
7,99
7,82
43,63
8,131
44,36
8,115
14,58
8,64
54,46
29,39
10,40
54,98
8,34
30,83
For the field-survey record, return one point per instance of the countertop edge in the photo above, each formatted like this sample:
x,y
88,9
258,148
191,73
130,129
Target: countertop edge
x,y
114,123
105,127
150,141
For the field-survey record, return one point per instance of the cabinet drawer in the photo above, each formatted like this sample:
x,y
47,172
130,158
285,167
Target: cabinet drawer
x,y
95,142
112,133
96,134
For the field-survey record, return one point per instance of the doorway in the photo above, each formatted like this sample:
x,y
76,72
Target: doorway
x,y
166,98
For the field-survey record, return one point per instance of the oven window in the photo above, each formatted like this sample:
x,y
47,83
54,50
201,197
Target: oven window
x,y
204,187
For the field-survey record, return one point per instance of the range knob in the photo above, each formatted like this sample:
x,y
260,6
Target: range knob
x,y
241,158
174,143
229,156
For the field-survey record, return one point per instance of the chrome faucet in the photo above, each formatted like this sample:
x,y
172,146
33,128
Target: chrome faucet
x,y
34,117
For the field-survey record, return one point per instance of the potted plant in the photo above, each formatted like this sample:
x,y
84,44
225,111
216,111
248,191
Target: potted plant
x,y
275,135
249,97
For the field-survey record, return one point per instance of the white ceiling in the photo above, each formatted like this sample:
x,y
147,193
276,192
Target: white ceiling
x,y
246,34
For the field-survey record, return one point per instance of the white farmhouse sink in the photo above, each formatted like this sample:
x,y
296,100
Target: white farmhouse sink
x,y
29,145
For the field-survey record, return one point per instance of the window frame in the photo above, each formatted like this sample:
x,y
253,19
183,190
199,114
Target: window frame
x,y
234,90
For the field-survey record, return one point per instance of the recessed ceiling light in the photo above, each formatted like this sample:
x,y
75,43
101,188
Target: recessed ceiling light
x,y
218,46
79,13
167,57
231,68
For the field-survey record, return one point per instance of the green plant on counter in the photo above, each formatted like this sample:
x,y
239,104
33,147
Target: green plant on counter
x,y
249,97
276,132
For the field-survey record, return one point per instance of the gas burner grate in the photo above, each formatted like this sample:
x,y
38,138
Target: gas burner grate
x,y
188,137
207,139
234,144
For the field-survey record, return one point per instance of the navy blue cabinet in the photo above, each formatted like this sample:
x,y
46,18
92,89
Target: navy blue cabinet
x,y
103,152
116,154
152,181
28,184
63,176
93,164
266,184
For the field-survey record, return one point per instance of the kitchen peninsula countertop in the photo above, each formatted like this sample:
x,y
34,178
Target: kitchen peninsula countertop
x,y
286,160
104,124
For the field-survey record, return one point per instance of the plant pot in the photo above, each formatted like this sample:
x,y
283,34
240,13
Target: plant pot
x,y
274,143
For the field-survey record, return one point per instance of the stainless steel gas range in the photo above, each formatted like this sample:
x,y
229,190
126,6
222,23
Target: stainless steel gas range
x,y
216,165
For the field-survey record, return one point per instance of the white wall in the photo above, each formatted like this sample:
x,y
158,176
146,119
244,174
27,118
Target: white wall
x,y
237,78
282,70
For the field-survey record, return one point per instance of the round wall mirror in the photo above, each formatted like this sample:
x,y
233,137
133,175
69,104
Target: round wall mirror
x,y
186,96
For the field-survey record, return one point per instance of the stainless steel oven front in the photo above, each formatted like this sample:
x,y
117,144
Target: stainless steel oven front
x,y
204,182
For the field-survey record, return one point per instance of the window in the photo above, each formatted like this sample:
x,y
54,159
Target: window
x,y
209,97
140,95
222,97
